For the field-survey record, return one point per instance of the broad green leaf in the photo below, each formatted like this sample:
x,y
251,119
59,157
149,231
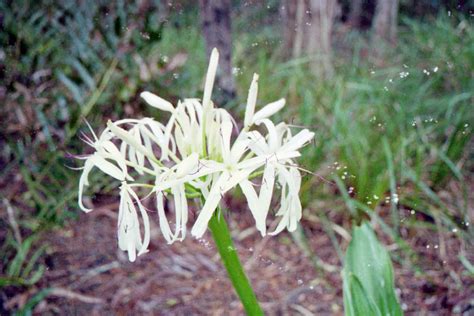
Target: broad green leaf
x,y
368,277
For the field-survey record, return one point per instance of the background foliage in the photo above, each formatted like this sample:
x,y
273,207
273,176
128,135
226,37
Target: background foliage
x,y
393,132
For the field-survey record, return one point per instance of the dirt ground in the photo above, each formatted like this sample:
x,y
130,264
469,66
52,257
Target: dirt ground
x,y
90,276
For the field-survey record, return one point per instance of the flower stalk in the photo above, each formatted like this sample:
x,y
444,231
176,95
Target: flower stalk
x,y
225,246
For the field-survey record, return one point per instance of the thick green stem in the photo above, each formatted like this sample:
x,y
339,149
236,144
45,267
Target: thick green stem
x,y
223,240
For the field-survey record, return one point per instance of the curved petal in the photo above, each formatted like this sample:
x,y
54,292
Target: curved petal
x,y
164,225
181,210
268,110
157,102
298,141
258,143
146,223
272,135
129,238
107,167
266,190
212,201
83,182
259,214
114,153
239,147
226,133
130,140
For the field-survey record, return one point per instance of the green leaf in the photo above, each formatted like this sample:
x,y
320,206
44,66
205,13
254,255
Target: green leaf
x,y
73,88
368,276
357,302
14,269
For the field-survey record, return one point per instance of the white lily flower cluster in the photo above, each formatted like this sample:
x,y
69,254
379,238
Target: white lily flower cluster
x,y
195,155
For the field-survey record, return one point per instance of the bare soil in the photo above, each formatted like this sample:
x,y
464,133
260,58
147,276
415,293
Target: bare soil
x,y
90,276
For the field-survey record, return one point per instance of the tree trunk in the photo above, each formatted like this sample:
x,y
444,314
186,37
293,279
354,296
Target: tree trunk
x,y
323,13
385,21
288,21
216,28
355,15
307,31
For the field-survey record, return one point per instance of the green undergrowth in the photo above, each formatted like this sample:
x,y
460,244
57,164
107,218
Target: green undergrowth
x,y
391,131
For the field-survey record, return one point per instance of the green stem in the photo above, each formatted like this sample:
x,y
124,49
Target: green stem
x,y
223,240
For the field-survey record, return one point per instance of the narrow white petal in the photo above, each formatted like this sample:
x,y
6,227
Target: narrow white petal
x,y
114,152
268,110
266,190
157,133
130,140
239,147
190,109
164,225
107,167
181,209
146,223
180,142
121,232
187,166
226,131
140,156
168,138
123,149
258,143
146,139
182,117
296,212
254,205
272,135
132,251
83,182
281,225
298,141
214,145
184,211
256,162
129,238
157,102
212,201
196,141
132,152
296,175
289,179
178,211
211,74
235,178
251,101
164,183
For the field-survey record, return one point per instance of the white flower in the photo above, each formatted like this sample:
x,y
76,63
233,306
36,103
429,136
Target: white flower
x,y
196,155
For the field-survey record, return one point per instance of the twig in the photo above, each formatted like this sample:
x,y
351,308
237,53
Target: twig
x,y
300,309
62,292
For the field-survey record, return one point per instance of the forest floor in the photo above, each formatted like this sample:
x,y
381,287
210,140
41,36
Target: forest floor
x,y
90,276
